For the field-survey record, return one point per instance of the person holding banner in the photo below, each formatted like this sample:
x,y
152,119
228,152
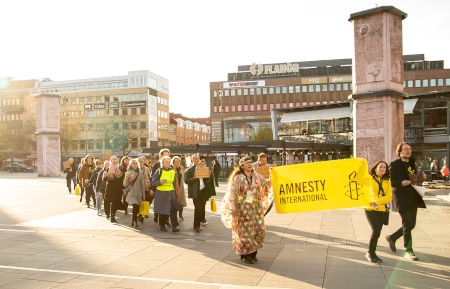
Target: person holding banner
x,y
380,195
405,199
262,161
243,208
134,188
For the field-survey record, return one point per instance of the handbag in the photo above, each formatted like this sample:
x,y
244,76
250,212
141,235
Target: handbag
x,y
213,205
77,190
143,208
386,213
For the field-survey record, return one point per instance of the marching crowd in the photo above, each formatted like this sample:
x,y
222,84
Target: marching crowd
x,y
118,184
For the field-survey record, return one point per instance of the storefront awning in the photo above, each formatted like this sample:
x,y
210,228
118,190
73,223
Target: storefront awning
x,y
409,104
340,112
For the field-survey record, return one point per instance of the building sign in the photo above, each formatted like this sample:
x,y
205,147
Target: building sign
x,y
337,79
88,106
99,105
152,112
258,69
133,103
113,105
244,83
314,80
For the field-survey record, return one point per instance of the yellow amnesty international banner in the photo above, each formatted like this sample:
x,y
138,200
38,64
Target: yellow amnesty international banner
x,y
321,186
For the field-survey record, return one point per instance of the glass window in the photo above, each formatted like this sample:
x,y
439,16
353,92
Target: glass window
x,y
124,111
245,107
304,88
258,90
417,84
90,99
124,97
284,89
239,92
116,98
99,112
410,83
252,107
331,86
245,91
338,86
447,81
133,125
115,112
133,96
98,144
98,99
142,110
291,89
124,125
239,107
440,82
317,87
107,98
264,90
432,82
324,87
345,86
143,124
81,100
271,90
133,111
311,88
425,82
227,92
233,92
277,90
90,113
297,88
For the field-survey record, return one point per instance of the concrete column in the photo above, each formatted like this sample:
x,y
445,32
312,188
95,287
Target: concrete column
x,y
48,135
378,119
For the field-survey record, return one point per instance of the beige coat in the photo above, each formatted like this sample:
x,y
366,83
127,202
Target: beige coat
x,y
147,178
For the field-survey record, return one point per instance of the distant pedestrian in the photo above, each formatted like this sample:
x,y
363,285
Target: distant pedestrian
x,y
134,189
444,172
93,182
405,199
100,186
84,176
155,167
71,175
124,162
146,175
433,170
243,208
380,196
180,194
216,171
80,165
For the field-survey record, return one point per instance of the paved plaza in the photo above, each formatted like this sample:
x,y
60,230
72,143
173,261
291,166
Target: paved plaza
x,y
48,239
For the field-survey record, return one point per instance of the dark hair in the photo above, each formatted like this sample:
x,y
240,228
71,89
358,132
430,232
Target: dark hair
x,y
372,171
400,147
237,170
122,162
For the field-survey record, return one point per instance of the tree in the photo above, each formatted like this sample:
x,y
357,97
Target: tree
x,y
68,137
114,135
264,132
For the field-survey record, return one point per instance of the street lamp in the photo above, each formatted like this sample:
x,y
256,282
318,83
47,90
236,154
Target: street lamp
x,y
222,136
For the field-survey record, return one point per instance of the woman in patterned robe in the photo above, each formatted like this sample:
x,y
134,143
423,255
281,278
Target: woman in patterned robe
x,y
243,209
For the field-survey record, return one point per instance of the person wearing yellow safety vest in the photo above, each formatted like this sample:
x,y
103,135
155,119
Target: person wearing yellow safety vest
x,y
165,204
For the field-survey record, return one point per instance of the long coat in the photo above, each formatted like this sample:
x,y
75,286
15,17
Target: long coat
x,y
194,185
181,198
246,220
404,198
114,187
135,195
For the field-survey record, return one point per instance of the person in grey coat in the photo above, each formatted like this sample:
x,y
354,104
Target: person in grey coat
x,y
134,189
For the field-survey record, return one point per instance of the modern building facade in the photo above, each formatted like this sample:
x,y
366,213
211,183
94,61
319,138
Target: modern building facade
x,y
309,102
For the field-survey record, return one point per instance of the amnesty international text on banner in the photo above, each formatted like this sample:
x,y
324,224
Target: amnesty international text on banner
x,y
321,186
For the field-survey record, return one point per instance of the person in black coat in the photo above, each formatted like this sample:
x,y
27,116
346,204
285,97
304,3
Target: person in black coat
x,y
71,175
405,199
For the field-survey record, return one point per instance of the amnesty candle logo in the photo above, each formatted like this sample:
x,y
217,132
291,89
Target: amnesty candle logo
x,y
321,186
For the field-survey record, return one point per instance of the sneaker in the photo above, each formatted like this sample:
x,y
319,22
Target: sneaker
x,y
168,225
373,259
175,230
411,256
391,243
98,212
204,223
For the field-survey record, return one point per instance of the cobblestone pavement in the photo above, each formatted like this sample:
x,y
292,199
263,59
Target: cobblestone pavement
x,y
49,239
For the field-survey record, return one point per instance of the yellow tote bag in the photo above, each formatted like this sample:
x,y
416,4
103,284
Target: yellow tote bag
x,y
143,208
213,205
77,190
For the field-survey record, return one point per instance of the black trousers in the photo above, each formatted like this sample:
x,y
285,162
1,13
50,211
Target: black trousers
x,y
375,220
173,218
409,219
216,178
90,194
125,204
111,207
69,183
135,212
199,209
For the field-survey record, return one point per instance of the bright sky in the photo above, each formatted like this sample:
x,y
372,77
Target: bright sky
x,y
192,43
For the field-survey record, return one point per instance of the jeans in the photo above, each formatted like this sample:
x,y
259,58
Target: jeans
x,y
69,181
90,194
409,219
98,198
375,220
